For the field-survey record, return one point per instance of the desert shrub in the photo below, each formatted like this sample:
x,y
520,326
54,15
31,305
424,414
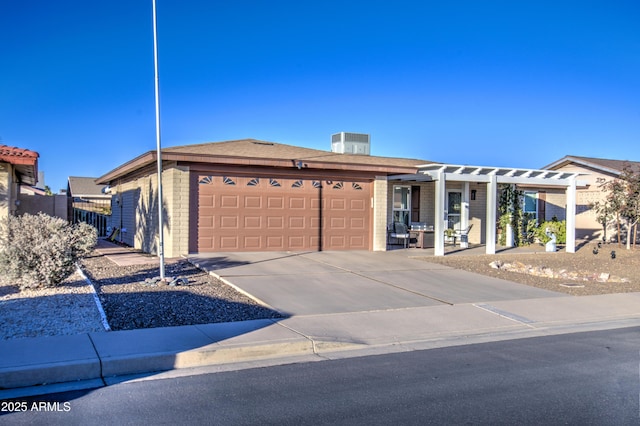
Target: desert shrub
x,y
41,250
555,226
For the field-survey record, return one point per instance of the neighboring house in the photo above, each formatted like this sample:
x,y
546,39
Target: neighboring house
x,y
251,195
90,202
18,167
87,195
596,171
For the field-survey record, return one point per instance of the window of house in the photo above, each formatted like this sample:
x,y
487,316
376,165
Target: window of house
x,y
401,204
530,207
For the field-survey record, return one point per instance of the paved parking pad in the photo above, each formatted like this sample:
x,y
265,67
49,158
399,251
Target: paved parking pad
x,y
335,282
340,292
455,286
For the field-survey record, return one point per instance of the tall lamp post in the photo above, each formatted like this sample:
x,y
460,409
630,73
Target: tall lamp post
x,y
158,147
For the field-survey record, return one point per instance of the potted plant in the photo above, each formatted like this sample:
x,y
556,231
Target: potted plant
x,y
449,234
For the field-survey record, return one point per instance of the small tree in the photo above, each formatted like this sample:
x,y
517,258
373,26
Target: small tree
x,y
623,201
40,250
630,211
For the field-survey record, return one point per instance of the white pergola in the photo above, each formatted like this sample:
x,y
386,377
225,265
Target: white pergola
x,y
440,174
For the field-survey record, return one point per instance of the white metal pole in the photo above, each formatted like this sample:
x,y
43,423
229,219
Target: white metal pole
x,y
158,146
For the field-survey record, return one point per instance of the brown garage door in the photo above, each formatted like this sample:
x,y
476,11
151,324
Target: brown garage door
x,y
257,214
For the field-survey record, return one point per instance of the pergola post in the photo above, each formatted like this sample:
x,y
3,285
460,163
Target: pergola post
x,y
438,229
570,246
464,211
492,197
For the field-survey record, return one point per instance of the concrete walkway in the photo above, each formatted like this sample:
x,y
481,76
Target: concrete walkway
x,y
124,256
41,365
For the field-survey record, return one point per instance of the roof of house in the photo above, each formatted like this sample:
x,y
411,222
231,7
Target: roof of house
x,y
606,165
254,152
85,187
24,160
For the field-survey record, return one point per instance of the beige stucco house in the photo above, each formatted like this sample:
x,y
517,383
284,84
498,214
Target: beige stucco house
x,y
595,172
252,195
18,167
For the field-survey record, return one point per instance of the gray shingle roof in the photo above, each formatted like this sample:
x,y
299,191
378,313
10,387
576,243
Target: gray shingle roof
x,y
614,166
263,153
252,148
85,186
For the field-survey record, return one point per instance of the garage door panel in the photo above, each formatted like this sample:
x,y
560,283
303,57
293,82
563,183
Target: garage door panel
x,y
358,205
297,243
275,202
206,221
297,203
338,204
337,242
229,243
229,201
338,223
252,222
275,222
253,202
254,214
296,222
357,223
229,222
252,243
356,241
207,201
275,242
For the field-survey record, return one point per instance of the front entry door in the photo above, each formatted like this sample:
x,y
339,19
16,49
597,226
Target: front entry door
x,y
454,209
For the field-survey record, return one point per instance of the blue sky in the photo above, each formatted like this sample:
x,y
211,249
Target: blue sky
x,y
498,83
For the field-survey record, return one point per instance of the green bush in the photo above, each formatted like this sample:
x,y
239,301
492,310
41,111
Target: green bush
x,y
40,250
556,227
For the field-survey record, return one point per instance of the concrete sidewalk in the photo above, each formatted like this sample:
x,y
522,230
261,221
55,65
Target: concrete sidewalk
x,y
91,360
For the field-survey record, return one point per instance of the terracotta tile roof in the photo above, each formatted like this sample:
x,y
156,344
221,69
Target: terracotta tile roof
x,y
13,155
614,166
24,160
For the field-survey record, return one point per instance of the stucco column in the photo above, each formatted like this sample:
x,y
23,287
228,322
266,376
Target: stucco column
x,y
439,226
509,238
571,216
464,218
492,196
380,209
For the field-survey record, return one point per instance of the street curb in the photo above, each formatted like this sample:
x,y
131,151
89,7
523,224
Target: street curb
x,y
88,366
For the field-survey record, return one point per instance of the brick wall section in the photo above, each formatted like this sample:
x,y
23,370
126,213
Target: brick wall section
x,y
175,187
478,213
135,209
555,205
380,212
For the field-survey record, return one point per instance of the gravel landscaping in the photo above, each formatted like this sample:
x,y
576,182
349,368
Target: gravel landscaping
x,y
129,301
580,274
132,300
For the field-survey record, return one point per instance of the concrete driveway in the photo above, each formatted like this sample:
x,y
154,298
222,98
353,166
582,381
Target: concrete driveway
x,y
313,283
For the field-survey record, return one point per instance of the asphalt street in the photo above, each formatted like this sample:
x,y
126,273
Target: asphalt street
x,y
580,378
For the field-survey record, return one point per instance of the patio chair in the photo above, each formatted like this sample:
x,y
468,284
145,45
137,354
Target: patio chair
x,y
399,231
463,236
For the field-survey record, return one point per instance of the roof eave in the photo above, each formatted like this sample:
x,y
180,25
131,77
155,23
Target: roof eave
x,y
150,157
571,159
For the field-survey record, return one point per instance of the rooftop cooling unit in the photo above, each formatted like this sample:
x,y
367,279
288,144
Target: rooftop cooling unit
x,y
351,143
